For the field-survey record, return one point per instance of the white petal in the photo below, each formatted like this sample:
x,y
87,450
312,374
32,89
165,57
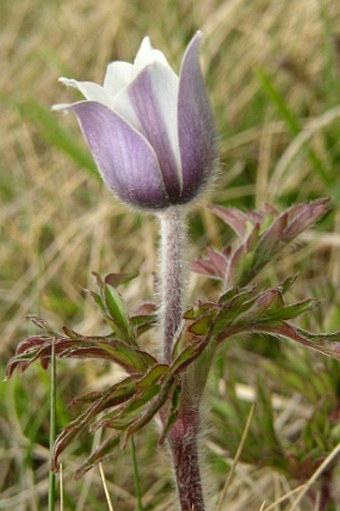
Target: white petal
x,y
118,75
147,55
122,106
61,106
165,86
90,90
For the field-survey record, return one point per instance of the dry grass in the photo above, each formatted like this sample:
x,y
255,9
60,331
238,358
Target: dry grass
x,y
58,222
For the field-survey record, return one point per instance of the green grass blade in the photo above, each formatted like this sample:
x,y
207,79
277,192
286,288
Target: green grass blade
x,y
275,96
329,82
291,121
52,477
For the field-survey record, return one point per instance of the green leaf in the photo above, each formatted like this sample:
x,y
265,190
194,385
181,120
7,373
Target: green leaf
x,y
142,323
132,359
258,307
233,308
292,122
287,284
118,311
226,297
190,353
42,324
113,396
152,375
202,324
69,332
141,398
146,417
126,415
98,301
292,310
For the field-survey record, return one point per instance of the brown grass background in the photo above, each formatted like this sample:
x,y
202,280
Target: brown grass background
x,y
58,222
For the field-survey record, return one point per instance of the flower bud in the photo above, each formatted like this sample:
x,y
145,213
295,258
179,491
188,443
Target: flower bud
x,y
151,133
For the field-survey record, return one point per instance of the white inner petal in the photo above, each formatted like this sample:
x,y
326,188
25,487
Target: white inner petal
x,y
90,90
118,75
148,55
165,86
122,106
61,106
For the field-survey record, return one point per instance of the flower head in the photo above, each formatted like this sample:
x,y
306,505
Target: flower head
x,y
151,133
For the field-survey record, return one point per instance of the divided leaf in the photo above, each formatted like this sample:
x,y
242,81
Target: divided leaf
x,y
261,236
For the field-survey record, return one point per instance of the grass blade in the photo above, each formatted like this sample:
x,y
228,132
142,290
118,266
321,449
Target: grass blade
x,y
106,490
237,457
52,477
291,120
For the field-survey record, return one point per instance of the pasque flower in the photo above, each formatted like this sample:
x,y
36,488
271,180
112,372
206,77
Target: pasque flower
x,y
151,133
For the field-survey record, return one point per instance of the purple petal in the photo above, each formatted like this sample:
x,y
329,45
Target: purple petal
x,y
196,125
153,95
125,159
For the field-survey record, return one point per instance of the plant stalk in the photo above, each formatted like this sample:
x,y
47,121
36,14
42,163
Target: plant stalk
x,y
183,444
182,436
172,276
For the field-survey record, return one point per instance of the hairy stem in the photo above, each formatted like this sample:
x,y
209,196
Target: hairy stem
x,y
172,276
182,437
183,443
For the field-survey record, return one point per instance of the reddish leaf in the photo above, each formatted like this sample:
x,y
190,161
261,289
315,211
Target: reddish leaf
x,y
270,242
145,309
204,267
327,344
117,394
116,279
302,216
233,217
219,261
